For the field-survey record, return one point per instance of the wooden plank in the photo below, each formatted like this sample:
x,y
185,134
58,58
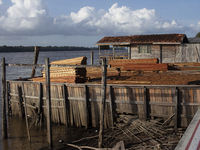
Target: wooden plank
x,y
48,103
40,100
3,93
26,115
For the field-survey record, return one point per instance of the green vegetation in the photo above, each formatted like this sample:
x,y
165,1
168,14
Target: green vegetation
x,y
5,48
198,34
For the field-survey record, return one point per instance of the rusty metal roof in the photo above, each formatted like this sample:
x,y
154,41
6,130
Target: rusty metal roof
x,y
155,38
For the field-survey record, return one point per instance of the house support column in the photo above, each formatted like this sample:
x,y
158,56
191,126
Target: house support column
x,y
113,52
129,52
160,54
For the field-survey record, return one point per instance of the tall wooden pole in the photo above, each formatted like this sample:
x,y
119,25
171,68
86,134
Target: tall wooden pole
x,y
103,101
36,54
48,103
3,91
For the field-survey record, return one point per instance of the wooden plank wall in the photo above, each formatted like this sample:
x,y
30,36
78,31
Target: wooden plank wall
x,y
170,53
188,53
79,104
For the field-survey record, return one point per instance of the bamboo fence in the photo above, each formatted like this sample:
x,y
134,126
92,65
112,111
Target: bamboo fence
x,y
79,104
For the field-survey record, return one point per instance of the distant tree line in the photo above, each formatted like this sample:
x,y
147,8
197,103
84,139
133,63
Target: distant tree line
x,y
5,48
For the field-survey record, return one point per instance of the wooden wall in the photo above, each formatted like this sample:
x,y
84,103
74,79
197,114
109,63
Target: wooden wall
x,y
155,52
188,53
79,104
170,53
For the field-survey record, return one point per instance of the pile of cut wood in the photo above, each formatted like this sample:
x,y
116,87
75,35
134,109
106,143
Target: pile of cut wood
x,y
149,64
66,74
96,73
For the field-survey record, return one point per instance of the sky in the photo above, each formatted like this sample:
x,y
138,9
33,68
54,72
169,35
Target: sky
x,y
85,22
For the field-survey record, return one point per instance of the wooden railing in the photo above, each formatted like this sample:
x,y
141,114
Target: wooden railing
x,y
114,56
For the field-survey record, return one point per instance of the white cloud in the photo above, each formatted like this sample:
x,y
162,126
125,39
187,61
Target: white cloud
x,y
30,17
1,2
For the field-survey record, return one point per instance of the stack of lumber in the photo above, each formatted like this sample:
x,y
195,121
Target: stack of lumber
x,y
149,64
65,71
189,64
146,67
123,62
73,61
96,73
66,74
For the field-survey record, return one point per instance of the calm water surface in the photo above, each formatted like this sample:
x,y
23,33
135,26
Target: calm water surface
x,y
17,135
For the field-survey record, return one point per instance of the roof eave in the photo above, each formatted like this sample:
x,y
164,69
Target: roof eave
x,y
172,43
115,43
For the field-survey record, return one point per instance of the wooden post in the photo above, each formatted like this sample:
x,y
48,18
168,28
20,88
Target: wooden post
x,y
36,54
26,115
92,58
65,104
48,103
3,94
145,103
176,108
111,106
103,101
40,103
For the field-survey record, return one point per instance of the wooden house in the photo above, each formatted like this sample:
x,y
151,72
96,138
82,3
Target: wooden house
x,y
168,48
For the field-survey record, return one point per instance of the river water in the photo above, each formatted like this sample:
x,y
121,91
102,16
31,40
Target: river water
x,y
17,135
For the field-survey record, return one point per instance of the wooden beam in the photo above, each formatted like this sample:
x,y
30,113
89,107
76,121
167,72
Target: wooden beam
x,y
48,103
3,94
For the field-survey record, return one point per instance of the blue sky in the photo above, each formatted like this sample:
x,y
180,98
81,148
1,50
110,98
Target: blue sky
x,y
84,22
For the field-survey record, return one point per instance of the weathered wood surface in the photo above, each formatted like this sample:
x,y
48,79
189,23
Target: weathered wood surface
x,y
147,102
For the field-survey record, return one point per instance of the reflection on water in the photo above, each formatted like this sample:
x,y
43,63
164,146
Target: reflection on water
x,y
18,138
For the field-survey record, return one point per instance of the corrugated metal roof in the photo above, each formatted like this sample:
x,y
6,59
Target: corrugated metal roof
x,y
174,38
